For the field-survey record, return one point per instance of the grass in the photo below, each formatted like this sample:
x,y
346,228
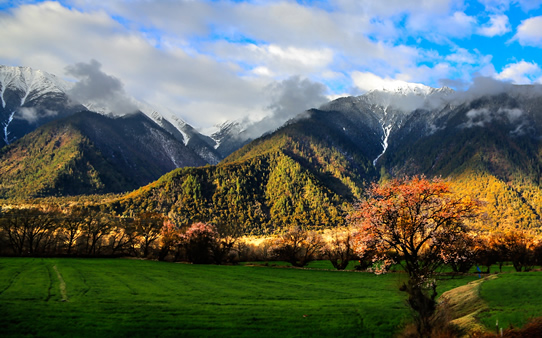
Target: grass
x,y
117,297
513,299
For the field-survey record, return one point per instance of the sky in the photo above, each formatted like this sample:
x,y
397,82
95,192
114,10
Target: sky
x,y
211,61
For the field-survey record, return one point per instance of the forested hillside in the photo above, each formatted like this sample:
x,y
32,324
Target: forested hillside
x,y
88,153
56,160
291,177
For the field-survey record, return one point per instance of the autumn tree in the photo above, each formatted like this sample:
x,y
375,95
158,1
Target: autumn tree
x,y
120,237
29,231
200,241
297,246
417,220
461,254
517,247
170,236
487,253
71,228
148,226
95,225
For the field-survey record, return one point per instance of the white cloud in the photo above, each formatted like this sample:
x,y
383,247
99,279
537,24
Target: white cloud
x,y
496,5
520,73
272,59
200,89
483,116
31,114
441,28
301,59
395,7
367,81
528,5
462,56
262,71
529,32
497,25
210,61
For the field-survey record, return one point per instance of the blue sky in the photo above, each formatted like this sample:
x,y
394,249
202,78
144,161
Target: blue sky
x,y
212,61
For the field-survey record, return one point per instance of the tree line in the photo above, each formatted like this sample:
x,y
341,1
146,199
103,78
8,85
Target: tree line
x,y
47,230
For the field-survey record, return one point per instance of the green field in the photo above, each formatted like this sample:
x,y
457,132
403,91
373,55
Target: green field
x,y
118,297
512,298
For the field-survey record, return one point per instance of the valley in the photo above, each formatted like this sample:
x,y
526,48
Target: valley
x,y
87,184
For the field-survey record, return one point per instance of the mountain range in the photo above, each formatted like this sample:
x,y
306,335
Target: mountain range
x,y
137,148
309,172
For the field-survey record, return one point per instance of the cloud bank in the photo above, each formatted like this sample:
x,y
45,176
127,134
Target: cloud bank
x,y
99,90
213,61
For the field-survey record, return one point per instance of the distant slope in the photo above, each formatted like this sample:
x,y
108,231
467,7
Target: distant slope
x,y
56,160
332,147
88,153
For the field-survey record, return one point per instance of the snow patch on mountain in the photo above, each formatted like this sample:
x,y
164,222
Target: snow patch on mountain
x,y
387,109
386,130
181,126
28,84
6,125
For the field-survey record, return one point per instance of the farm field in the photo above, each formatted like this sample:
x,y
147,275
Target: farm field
x,y
119,297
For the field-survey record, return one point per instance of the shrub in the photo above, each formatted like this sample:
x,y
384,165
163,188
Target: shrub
x,y
200,243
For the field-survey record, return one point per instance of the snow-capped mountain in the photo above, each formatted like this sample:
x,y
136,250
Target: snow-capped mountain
x,y
230,136
385,111
406,114
31,98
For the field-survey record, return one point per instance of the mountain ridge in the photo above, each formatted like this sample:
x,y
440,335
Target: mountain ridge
x,y
111,155
310,171
489,148
31,98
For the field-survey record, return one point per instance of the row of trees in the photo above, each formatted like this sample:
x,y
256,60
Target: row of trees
x,y
77,231
94,232
342,246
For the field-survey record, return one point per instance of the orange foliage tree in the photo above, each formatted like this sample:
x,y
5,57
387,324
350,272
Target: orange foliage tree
x,y
415,222
200,241
170,236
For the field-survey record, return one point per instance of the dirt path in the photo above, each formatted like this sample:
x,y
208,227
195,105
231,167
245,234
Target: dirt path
x,y
462,304
63,292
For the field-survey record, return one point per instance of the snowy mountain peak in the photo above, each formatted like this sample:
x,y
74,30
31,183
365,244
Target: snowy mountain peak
x,y
29,82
